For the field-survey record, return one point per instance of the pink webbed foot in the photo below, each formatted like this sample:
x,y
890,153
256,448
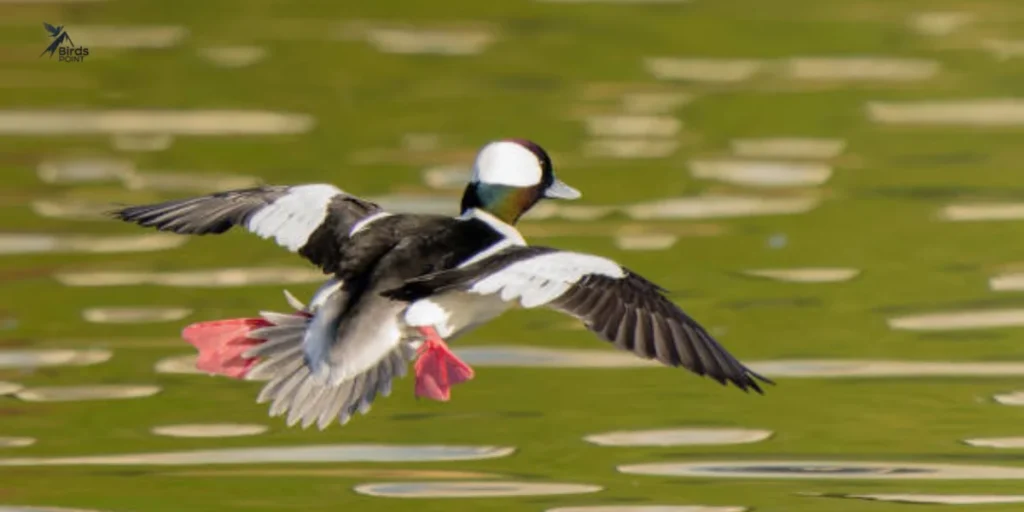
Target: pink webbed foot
x,y
437,368
221,344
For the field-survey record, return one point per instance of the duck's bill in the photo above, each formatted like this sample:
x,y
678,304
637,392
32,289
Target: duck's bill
x,y
559,190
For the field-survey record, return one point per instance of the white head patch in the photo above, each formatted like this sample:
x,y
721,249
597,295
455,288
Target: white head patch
x,y
507,163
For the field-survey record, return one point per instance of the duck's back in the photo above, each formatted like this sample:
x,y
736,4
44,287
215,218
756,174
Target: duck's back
x,y
404,246
384,255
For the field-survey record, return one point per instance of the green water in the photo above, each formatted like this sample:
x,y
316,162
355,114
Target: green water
x,y
878,214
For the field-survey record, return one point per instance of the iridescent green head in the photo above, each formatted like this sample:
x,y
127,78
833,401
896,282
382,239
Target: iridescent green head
x,y
510,176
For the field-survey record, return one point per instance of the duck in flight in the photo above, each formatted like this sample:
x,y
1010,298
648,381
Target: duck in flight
x,y
402,285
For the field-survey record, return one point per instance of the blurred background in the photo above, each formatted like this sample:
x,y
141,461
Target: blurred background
x,y
834,189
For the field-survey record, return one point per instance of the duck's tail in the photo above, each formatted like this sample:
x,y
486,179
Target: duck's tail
x,y
270,348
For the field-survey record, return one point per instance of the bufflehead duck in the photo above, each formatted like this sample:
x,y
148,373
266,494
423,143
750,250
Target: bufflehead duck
x,y
403,284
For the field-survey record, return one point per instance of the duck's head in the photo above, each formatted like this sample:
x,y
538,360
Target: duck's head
x,y
510,176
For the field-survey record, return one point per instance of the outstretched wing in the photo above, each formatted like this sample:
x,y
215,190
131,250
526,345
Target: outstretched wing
x,y
312,220
51,29
617,304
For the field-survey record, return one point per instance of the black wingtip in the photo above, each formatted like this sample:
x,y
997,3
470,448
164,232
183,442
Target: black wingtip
x,y
118,213
750,381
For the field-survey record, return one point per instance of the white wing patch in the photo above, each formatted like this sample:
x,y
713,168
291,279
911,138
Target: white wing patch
x,y
293,218
507,163
541,279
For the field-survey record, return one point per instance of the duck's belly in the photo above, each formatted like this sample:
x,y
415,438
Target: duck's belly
x,y
461,311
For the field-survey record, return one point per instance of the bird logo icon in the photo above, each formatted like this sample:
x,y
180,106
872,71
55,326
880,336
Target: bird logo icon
x,y
59,36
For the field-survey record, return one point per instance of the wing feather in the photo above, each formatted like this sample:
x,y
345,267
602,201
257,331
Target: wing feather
x,y
617,304
312,220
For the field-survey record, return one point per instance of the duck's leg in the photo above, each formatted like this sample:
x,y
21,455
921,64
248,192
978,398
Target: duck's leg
x,y
437,368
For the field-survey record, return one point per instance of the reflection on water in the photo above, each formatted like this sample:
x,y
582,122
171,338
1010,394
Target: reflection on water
x,y
680,437
209,430
280,455
16,442
937,499
81,393
472,489
25,358
854,470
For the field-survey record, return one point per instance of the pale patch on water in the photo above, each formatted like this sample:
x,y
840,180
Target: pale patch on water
x,y
1003,49
16,442
279,455
783,147
982,211
185,365
758,173
233,56
422,204
8,388
209,430
339,473
1015,398
860,68
37,358
430,41
704,436
1007,282
22,243
447,177
126,36
633,126
650,103
630,148
141,142
70,209
838,368
806,275
84,393
939,23
977,112
703,70
826,470
216,278
134,315
648,508
932,499
650,242
197,182
703,207
165,122
958,320
84,170
471,489
997,442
